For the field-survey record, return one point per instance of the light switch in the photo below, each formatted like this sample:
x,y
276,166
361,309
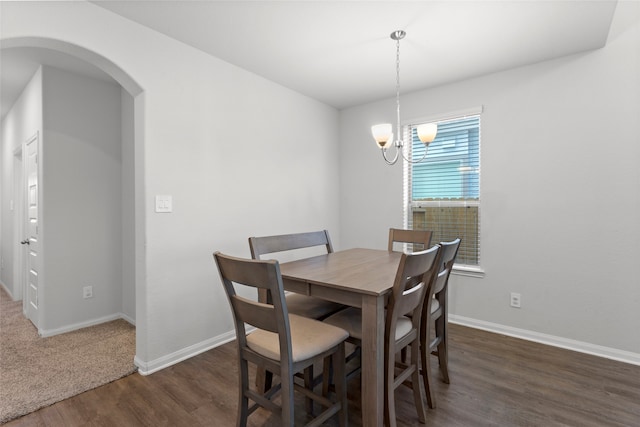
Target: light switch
x,y
164,204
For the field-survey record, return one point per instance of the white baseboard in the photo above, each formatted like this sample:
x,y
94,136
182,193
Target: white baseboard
x,y
44,333
127,318
569,344
6,289
147,368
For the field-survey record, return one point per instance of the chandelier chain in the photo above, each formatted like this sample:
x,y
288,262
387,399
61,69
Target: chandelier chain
x,y
399,135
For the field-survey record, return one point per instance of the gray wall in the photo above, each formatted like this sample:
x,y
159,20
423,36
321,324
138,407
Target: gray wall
x,y
81,209
240,155
559,190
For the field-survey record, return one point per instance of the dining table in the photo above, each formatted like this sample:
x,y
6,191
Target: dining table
x,y
360,278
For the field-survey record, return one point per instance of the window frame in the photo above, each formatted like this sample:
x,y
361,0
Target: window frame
x,y
409,204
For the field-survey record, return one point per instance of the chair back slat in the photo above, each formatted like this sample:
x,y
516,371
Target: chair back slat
x,y
420,239
411,298
265,275
261,316
286,242
257,275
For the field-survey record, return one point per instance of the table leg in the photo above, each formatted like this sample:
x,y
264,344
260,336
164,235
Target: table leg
x,y
372,360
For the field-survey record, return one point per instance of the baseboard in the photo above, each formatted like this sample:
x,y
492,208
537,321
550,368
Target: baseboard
x,y
127,318
6,289
44,333
147,368
569,344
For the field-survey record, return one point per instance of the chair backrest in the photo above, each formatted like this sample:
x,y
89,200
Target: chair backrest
x,y
416,273
448,258
287,242
272,317
421,239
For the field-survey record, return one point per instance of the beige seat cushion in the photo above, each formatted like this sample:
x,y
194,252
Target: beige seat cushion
x,y
350,320
314,308
308,339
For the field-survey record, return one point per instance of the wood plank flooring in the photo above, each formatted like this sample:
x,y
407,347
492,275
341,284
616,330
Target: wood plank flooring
x,y
495,381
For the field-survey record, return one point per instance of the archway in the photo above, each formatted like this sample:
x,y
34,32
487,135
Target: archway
x,y
135,157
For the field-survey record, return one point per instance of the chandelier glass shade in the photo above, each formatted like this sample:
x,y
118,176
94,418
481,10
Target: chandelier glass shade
x,y
383,133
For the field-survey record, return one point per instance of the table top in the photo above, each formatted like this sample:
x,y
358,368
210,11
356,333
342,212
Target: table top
x,y
364,271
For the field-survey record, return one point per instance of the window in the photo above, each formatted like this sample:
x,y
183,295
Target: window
x,y
444,189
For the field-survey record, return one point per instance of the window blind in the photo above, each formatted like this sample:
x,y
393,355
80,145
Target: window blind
x,y
444,189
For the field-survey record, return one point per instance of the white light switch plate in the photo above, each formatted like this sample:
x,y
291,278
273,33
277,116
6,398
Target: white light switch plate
x,y
164,204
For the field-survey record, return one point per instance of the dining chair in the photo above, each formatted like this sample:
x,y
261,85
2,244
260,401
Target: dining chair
x,y
415,275
420,239
434,317
283,343
302,305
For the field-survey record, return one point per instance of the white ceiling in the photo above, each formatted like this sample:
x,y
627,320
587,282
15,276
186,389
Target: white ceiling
x,y
339,52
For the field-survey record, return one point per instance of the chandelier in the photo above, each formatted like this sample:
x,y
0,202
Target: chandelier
x,y
383,133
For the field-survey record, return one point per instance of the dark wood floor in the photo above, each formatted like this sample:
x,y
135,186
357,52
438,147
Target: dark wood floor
x,y
495,381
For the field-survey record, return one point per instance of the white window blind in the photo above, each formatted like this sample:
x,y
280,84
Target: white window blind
x,y
443,191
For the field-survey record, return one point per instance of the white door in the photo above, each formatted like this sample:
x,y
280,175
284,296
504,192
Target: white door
x,y
32,242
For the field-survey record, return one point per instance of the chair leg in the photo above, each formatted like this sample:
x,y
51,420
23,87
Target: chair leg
x,y
443,356
425,362
340,383
426,376
327,375
243,400
308,383
389,390
264,380
286,393
416,383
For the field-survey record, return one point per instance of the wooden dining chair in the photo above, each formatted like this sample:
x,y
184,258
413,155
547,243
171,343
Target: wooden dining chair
x,y
302,305
420,239
416,273
282,343
434,318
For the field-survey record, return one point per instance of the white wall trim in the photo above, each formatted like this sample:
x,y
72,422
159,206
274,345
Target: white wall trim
x,y
147,368
569,344
6,289
44,333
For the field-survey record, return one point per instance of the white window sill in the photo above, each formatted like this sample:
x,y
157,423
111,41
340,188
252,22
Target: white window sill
x,y
468,270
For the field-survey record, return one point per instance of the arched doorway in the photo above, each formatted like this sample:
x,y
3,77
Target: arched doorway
x,y
132,159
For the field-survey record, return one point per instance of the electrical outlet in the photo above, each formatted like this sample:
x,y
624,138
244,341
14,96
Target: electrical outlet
x,y
87,292
516,300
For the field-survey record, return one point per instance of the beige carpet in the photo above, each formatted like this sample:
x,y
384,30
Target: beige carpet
x,y
36,372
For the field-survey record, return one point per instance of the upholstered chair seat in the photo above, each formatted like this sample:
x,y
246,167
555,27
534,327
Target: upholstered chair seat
x,y
350,320
314,308
309,338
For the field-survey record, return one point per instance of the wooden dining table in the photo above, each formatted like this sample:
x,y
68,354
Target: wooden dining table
x,y
360,278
